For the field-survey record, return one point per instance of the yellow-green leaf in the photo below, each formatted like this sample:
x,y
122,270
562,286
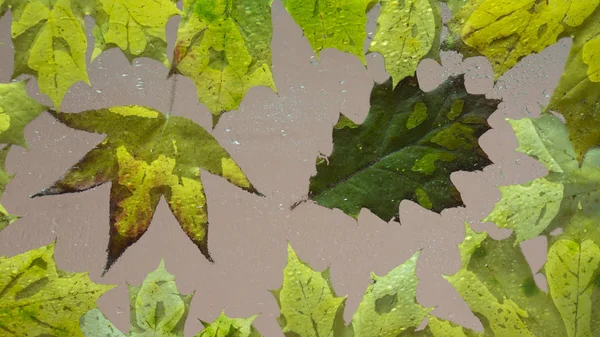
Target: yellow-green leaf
x,y
497,283
147,155
37,299
339,24
505,31
157,309
577,95
407,32
50,43
17,110
5,218
389,306
541,205
308,304
225,326
225,48
137,27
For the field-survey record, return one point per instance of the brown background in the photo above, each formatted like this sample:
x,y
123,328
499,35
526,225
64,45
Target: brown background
x,y
275,138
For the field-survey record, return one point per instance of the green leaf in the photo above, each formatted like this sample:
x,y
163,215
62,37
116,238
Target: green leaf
x,y
407,32
37,299
407,147
50,43
437,327
308,304
497,283
5,218
157,309
137,27
17,110
570,269
340,24
541,205
230,327
389,305
506,31
225,48
577,95
147,155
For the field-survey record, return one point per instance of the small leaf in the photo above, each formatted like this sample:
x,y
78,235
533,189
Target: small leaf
x,y
17,110
308,304
389,305
137,27
407,32
225,48
156,309
543,204
339,24
230,327
147,155
50,43
5,218
407,147
37,299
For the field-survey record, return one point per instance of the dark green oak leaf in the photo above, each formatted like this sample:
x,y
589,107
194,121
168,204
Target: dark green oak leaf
x,y
407,147
38,299
147,155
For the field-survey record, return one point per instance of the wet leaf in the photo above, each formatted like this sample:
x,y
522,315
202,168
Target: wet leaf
x,y
50,43
5,177
157,309
506,31
229,327
497,283
407,147
308,304
16,111
543,204
37,299
225,48
577,95
339,24
147,155
137,27
407,32
389,305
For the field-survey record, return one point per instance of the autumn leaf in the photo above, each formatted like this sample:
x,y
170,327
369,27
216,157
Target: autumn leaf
x,y
37,299
407,32
225,48
497,283
156,309
339,24
577,95
146,155
137,27
5,218
543,204
407,147
50,43
224,326
506,31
